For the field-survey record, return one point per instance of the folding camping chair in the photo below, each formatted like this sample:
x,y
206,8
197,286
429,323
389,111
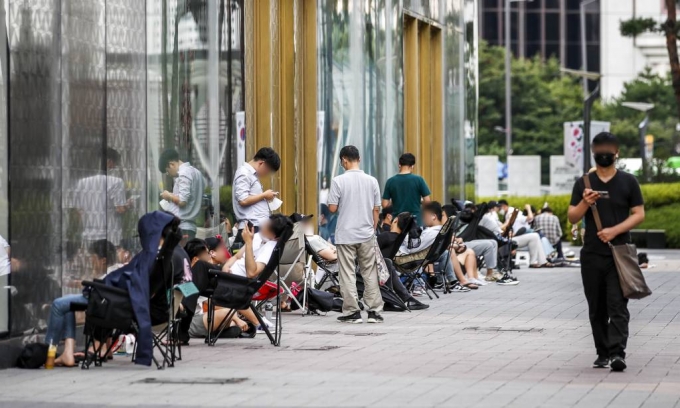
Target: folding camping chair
x,y
236,293
414,272
292,253
329,274
508,234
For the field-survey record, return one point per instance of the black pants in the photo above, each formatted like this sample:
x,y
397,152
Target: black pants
x,y
607,308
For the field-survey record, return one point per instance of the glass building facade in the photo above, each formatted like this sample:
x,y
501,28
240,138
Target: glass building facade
x,y
92,91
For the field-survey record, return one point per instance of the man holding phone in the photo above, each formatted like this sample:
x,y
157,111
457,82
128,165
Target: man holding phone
x,y
619,201
250,201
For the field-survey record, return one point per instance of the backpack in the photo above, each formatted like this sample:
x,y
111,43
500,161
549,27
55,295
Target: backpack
x,y
34,355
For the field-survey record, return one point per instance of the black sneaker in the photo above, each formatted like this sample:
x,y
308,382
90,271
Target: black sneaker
x,y
416,305
353,318
601,362
507,280
373,317
617,364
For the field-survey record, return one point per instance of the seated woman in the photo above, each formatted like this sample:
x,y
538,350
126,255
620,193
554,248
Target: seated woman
x,y
251,260
62,321
201,257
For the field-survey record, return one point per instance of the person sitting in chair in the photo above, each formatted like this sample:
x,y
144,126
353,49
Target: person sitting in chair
x,y
62,321
201,257
259,247
433,218
219,254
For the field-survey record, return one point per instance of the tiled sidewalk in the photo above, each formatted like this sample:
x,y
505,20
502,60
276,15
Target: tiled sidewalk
x,y
523,346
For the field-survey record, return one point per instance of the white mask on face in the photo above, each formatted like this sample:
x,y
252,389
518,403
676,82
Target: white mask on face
x,y
309,230
501,212
323,184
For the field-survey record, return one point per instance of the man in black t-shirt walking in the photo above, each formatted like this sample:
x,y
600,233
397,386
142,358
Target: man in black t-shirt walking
x,y
618,198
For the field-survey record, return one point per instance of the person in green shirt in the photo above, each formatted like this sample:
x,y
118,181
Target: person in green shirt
x,y
406,191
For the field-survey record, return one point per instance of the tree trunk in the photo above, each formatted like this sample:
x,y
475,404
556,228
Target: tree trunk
x,y
670,27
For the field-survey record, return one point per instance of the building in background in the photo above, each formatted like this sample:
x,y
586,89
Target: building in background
x,y
547,28
624,58
141,76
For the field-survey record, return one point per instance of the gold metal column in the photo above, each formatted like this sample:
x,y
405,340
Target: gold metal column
x,y
280,86
423,100
305,114
411,110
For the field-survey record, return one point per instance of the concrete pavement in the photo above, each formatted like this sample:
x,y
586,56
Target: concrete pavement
x,y
522,346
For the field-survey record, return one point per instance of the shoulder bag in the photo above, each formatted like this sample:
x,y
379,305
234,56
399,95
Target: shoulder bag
x,y
631,278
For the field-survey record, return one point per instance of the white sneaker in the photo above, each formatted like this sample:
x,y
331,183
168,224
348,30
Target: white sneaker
x,y
479,282
458,288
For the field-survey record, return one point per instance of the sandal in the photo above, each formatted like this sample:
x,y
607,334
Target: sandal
x,y
545,265
471,285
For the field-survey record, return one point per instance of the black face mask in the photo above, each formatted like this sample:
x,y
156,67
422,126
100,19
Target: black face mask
x,y
604,159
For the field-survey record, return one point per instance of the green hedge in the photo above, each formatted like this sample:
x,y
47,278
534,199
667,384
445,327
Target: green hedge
x,y
661,206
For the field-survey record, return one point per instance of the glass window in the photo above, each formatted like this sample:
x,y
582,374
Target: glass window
x,y
489,4
4,172
185,72
533,26
552,4
573,56
573,27
552,26
490,27
552,49
533,48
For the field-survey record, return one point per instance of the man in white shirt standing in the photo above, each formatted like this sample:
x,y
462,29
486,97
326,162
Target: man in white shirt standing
x,y
102,219
356,196
250,201
187,190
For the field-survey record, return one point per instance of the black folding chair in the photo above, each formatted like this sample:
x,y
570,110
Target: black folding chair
x,y
414,272
394,250
236,293
329,275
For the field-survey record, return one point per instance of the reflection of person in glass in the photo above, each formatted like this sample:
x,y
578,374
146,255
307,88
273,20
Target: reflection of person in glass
x,y
102,219
250,201
187,191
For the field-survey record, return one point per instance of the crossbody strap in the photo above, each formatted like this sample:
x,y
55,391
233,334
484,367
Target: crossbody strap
x,y
596,213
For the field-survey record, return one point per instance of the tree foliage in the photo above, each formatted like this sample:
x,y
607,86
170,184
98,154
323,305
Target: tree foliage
x,y
543,99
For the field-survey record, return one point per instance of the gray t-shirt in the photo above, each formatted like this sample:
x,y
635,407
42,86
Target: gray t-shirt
x,y
356,194
189,187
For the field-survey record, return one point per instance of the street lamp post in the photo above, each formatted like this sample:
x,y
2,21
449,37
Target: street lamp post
x,y
584,48
642,129
508,79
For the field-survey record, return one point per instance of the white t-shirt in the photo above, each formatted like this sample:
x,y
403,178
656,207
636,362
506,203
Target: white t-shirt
x,y
426,240
490,221
5,263
99,212
262,252
357,195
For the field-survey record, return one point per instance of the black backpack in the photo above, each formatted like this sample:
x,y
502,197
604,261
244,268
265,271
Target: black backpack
x,y
34,355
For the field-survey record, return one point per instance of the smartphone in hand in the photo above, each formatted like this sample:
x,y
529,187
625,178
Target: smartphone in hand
x,y
603,194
